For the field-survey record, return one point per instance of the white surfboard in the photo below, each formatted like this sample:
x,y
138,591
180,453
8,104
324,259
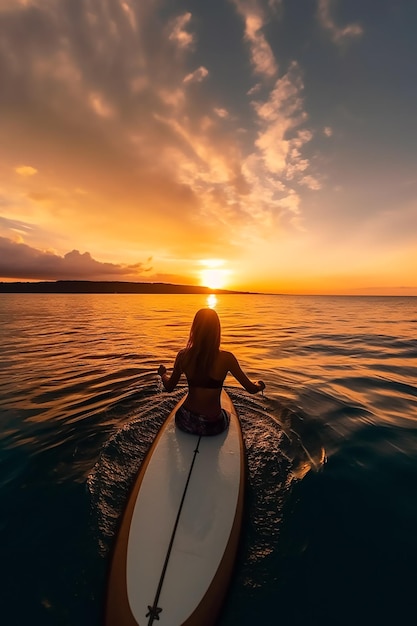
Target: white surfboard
x,y
178,539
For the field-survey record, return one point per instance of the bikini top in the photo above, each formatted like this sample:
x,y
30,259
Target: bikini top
x,y
207,382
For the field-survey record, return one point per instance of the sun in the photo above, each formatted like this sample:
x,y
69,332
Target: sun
x,y
214,279
214,275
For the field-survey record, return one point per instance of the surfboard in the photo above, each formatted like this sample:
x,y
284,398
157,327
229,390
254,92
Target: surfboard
x,y
175,550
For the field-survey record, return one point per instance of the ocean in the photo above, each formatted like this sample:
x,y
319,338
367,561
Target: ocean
x,y
331,507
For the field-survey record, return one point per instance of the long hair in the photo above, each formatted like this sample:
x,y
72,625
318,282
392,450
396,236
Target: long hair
x,y
203,343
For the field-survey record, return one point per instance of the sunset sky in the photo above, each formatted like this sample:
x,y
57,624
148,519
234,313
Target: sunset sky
x,y
258,145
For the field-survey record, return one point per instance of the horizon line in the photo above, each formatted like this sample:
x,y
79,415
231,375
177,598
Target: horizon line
x,y
196,289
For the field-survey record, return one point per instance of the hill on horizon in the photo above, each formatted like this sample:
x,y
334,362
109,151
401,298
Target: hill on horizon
x,y
92,286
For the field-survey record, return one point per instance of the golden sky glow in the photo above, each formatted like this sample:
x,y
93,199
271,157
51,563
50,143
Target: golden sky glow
x,y
135,145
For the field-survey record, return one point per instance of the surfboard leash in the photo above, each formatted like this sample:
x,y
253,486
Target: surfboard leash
x,y
154,610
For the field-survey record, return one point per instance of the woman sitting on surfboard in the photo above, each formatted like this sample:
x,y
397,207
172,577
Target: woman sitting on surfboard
x,y
205,367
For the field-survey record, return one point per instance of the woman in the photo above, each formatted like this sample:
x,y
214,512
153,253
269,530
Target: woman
x,y
205,367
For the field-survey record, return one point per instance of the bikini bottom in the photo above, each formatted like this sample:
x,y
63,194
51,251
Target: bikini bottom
x,y
197,424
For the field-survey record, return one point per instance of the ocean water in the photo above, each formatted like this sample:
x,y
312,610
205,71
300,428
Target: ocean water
x,y
331,510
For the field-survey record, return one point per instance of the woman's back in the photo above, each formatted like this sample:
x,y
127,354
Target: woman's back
x,y
204,388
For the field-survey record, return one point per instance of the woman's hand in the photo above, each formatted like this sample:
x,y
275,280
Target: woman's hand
x,y
162,370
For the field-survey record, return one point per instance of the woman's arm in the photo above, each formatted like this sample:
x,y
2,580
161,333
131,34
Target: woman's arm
x,y
237,372
170,382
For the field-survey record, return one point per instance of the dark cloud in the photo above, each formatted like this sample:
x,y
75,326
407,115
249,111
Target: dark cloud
x,y
20,261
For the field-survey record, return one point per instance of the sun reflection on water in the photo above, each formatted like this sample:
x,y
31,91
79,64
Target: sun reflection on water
x,y
212,301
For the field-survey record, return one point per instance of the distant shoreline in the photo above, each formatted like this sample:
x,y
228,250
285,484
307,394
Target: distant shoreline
x,y
88,286
126,287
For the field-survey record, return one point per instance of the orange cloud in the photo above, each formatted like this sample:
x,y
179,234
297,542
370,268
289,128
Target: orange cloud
x,y
337,33
262,57
26,170
197,76
179,33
